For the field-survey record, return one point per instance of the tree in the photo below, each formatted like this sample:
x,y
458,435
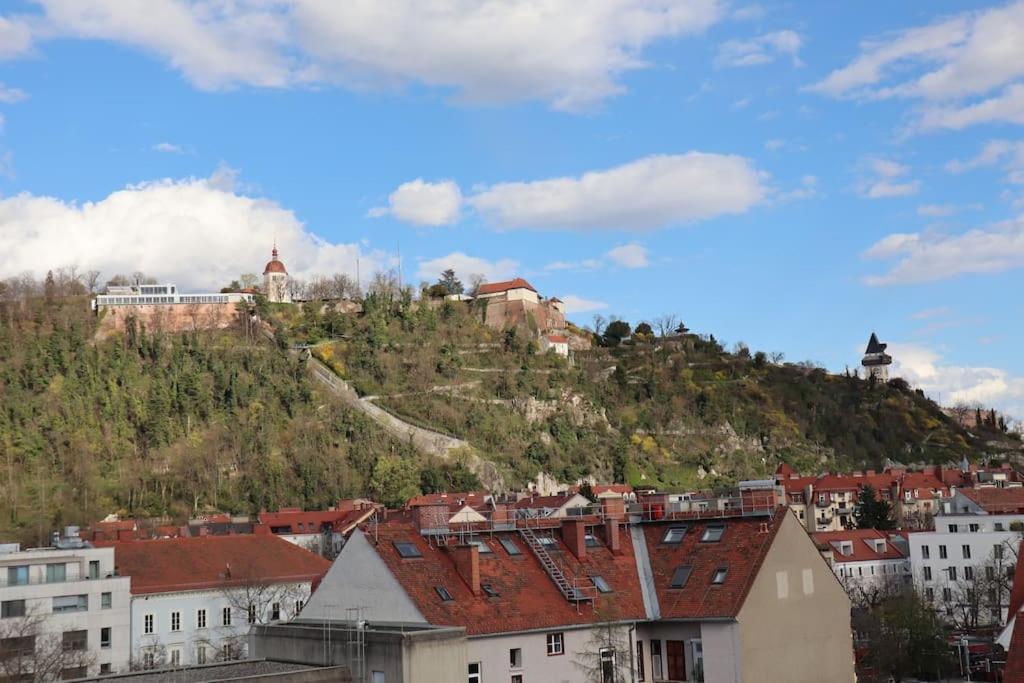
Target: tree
x,y
904,637
616,331
607,654
29,651
644,329
666,324
871,511
599,324
451,283
395,480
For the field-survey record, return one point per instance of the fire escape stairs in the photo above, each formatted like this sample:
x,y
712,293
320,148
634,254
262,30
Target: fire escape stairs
x,y
565,586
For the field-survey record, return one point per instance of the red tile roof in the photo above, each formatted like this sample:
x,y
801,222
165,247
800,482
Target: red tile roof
x,y
528,598
539,502
297,521
863,550
179,564
742,548
456,500
504,286
996,500
558,339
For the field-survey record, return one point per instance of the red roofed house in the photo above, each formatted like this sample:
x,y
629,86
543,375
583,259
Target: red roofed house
x,y
866,559
558,343
603,596
195,599
318,531
508,290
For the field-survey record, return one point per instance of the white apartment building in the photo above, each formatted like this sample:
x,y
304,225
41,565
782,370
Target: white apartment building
x,y
866,560
63,608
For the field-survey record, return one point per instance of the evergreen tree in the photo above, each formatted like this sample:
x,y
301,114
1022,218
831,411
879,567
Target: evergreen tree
x,y
871,511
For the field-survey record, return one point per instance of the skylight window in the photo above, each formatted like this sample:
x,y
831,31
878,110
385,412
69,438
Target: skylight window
x,y
482,545
681,576
546,541
591,541
674,535
490,590
510,547
713,534
407,549
443,593
600,584
719,576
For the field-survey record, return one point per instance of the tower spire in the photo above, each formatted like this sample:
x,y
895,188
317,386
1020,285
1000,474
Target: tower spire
x,y
273,252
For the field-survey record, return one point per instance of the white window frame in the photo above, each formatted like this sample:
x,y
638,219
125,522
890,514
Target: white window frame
x,y
555,644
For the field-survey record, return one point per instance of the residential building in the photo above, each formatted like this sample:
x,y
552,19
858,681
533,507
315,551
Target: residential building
x,y
319,531
557,505
867,561
275,280
558,343
63,608
194,600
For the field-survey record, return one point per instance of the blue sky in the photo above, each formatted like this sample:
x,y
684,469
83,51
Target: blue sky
x,y
792,175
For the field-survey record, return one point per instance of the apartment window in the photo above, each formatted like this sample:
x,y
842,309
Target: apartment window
x,y
17,576
556,644
148,660
275,612
997,551
713,533
515,658
175,621
443,593
105,636
407,549
968,573
947,594
106,600
12,608
175,653
105,669
20,646
201,618
952,573
70,603
517,678
681,576
965,550
590,541
942,552
927,573
600,584
926,552
640,660
227,652
999,526
94,569
298,607
973,527
990,572
474,673
252,614
952,528
56,573
225,616
607,657
201,653
929,594
147,624
74,641
674,535
719,577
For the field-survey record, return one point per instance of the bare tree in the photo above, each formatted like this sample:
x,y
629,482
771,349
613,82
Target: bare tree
x,y
475,280
599,323
607,655
248,280
28,651
666,324
92,280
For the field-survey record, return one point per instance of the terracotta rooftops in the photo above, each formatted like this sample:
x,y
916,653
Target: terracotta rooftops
x,y
504,286
558,339
180,564
997,500
862,547
295,521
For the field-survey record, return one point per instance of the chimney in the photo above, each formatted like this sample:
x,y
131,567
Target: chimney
x,y
502,516
574,536
613,507
125,534
467,563
611,536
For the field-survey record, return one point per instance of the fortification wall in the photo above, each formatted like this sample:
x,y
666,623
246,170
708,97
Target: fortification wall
x,y
167,317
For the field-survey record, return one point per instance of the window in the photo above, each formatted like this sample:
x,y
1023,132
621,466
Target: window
x,y
490,590
70,603
674,535
94,569
719,576
175,621
600,584
105,669
72,672
55,573
952,528
510,547
201,618
999,526
275,612
17,576
12,608
607,658
252,614
227,652
105,636
929,594
713,533
972,527
201,653
73,641
517,678
298,607
927,573
591,541
106,600
443,593
406,549
546,541
147,624
20,646
997,551
926,552
175,653
556,644
474,673
640,660
148,660
515,658
990,572
968,573
681,576
952,573
947,594
482,546
225,616
965,550
942,552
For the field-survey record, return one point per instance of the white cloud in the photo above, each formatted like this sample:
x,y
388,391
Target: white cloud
x,y
629,256
808,189
762,49
568,54
3,122
995,152
926,257
423,203
749,13
168,148
652,192
465,265
951,384
15,38
577,304
11,95
7,165
883,180
936,210
774,145
585,264
929,313
198,233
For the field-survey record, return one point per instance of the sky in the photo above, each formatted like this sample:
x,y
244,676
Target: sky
x,y
792,175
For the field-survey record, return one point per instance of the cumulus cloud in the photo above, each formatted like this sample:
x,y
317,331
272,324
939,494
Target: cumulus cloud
x,y
927,257
652,192
885,178
423,203
629,256
568,54
1009,154
923,367
11,95
577,304
168,148
197,232
936,210
762,49
15,38
465,265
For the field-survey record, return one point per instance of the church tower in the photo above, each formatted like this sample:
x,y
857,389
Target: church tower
x,y
876,361
275,280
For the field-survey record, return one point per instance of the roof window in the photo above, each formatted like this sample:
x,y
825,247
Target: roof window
x,y
482,545
591,541
674,535
718,578
600,584
407,549
713,533
490,590
681,576
443,593
510,547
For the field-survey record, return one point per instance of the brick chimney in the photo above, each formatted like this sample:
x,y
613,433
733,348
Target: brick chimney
x,y
613,507
611,536
467,563
502,515
574,536
125,534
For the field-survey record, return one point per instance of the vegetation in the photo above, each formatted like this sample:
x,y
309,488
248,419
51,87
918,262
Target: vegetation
x,y
872,512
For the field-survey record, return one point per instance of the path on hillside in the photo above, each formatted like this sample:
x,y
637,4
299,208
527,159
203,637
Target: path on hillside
x,y
425,440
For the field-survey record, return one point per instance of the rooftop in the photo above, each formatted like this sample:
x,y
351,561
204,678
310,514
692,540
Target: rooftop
x,y
997,500
863,549
504,286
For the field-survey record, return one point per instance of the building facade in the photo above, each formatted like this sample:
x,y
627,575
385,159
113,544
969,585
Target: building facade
x,y
868,562
275,280
876,361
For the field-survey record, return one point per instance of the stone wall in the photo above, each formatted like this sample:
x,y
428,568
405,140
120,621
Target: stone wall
x,y
166,317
